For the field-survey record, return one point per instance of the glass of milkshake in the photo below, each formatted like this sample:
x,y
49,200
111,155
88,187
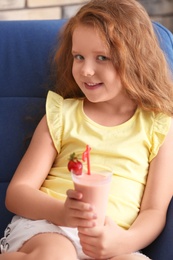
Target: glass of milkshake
x,y
95,190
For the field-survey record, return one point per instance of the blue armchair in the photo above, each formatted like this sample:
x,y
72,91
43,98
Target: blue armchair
x,y
26,48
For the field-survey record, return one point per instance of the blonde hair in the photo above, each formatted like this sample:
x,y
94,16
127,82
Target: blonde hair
x,y
125,27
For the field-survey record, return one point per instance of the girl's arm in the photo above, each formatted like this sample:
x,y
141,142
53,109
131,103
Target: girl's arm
x,y
24,197
157,196
112,240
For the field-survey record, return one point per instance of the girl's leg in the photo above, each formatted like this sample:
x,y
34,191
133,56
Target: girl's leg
x,y
12,256
46,246
131,257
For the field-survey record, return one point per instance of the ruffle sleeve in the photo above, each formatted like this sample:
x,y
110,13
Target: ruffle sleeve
x,y
54,105
160,129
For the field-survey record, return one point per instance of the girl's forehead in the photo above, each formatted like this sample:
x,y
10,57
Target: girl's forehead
x,y
86,37
83,27
89,33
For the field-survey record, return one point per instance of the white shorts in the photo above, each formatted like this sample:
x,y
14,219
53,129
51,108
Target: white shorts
x,y
21,230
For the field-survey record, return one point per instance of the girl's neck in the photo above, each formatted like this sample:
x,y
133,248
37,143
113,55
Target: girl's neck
x,y
108,114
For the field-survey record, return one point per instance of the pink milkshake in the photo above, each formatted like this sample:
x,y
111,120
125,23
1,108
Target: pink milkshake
x,y
95,189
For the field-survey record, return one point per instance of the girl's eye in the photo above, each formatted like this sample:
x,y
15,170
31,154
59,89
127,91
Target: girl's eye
x,y
102,58
78,57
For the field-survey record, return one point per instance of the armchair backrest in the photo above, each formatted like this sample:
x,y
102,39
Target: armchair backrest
x,y
25,53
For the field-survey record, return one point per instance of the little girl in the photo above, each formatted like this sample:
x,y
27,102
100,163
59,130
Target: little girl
x,y
114,93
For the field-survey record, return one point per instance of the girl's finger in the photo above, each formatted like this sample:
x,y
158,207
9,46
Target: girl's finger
x,y
72,194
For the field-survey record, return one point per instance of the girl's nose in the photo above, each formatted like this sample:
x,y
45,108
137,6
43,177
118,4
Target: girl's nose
x,y
87,70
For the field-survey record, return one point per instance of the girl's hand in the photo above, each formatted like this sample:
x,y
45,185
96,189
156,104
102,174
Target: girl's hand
x,y
103,242
77,213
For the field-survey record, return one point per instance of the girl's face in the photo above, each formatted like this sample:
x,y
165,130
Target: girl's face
x,y
92,68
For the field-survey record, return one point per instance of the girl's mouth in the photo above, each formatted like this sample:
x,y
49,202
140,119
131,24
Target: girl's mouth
x,y
92,85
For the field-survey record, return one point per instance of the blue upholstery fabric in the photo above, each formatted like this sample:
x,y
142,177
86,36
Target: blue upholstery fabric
x,y
25,53
26,48
166,42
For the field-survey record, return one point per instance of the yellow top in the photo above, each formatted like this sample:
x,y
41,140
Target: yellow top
x,y
127,149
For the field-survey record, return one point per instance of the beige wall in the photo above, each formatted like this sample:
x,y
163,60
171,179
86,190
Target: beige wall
x,y
159,10
38,9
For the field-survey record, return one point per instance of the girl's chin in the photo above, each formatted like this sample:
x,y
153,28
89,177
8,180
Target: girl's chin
x,y
94,99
